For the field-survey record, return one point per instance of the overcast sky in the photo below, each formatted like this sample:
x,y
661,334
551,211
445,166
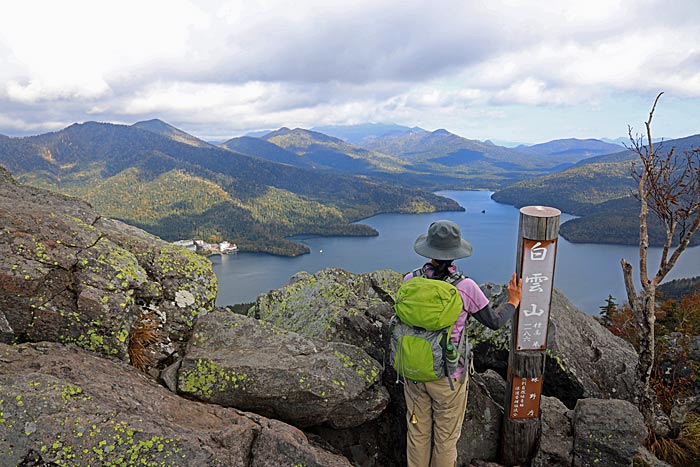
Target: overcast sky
x,y
507,70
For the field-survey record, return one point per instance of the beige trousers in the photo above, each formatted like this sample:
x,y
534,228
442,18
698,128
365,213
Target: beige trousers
x,y
439,412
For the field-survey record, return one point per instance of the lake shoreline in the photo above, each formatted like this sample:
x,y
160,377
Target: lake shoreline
x,y
585,273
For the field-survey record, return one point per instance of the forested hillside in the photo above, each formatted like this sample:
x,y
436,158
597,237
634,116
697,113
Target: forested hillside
x,y
600,190
572,190
179,189
261,149
678,289
362,134
326,152
169,131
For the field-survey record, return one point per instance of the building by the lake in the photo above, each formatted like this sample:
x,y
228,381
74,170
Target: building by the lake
x,y
204,248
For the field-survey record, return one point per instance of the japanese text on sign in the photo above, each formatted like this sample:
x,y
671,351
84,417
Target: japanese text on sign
x,y
537,274
525,397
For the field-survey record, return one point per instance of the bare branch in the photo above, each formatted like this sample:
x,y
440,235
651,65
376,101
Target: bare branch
x,y
669,186
648,123
664,269
629,285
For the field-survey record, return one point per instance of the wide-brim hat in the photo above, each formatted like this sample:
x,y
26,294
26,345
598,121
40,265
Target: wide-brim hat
x,y
443,241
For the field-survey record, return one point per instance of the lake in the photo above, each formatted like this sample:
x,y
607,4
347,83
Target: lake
x,y
586,273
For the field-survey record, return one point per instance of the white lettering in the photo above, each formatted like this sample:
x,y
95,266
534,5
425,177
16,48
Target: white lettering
x,y
535,282
538,253
534,311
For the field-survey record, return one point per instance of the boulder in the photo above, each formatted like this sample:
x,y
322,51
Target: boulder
x,y
606,432
238,361
339,306
64,406
334,305
481,430
583,359
495,385
68,275
555,448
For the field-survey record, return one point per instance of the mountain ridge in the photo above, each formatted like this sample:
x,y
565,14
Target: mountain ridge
x,y
165,129
268,201
584,148
600,190
358,134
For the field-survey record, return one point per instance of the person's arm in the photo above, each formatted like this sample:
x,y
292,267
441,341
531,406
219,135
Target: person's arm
x,y
496,318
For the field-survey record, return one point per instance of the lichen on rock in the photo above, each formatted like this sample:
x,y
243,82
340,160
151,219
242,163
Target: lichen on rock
x,y
238,361
65,406
334,305
69,275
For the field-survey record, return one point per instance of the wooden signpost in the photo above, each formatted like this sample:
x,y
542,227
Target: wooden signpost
x,y
537,248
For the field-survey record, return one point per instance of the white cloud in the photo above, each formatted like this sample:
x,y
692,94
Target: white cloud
x,y
192,97
74,50
219,67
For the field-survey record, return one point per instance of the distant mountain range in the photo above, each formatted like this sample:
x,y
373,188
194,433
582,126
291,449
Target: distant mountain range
x,y
175,186
413,156
257,190
361,134
599,189
582,148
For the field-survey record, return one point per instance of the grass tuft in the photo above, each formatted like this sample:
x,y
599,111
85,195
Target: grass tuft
x,y
144,334
681,451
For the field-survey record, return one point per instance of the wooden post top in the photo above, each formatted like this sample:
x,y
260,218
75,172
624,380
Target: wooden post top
x,y
540,211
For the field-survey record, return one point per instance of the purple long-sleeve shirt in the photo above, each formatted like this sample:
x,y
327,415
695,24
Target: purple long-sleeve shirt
x,y
475,303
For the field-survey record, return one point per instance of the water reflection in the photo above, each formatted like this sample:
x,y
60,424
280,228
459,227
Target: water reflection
x,y
586,273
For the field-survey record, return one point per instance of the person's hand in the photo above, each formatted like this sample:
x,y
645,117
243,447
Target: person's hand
x,y
515,290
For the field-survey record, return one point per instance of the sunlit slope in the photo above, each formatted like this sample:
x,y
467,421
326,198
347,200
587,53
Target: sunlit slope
x,y
572,190
327,152
178,189
415,158
600,190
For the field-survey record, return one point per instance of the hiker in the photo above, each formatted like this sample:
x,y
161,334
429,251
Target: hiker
x,y
435,409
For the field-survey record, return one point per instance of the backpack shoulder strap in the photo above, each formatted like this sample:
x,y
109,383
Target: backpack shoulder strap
x,y
455,278
418,272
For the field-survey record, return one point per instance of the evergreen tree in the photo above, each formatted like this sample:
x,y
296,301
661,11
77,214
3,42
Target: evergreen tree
x,y
607,311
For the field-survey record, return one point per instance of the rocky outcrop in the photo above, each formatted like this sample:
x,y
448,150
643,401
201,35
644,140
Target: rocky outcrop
x,y
583,358
312,358
68,275
237,361
587,354
606,432
334,305
65,406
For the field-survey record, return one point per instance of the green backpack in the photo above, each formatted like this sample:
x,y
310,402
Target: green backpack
x,y
419,333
